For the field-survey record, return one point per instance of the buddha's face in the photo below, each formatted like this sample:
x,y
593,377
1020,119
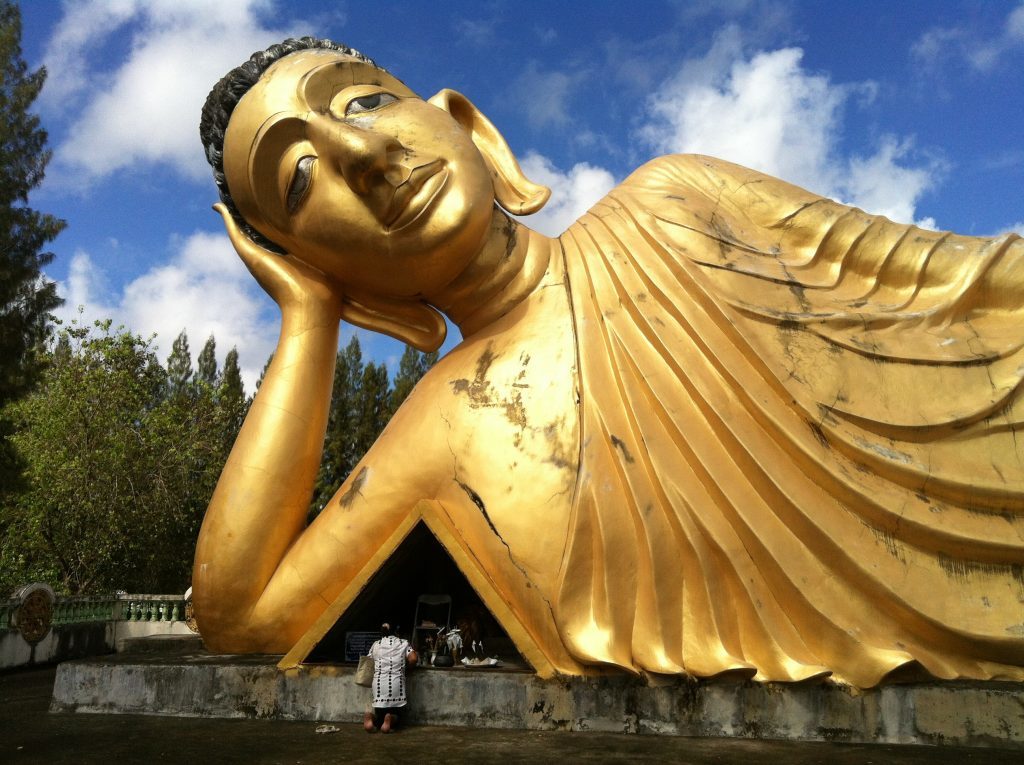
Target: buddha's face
x,y
351,172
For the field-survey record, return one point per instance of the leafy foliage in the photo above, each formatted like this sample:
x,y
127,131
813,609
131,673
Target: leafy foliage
x,y
118,473
122,455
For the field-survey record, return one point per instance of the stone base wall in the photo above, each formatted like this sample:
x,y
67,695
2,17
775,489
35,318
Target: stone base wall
x,y
74,641
965,714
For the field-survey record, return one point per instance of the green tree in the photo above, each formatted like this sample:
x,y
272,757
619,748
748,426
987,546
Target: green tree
x,y
179,367
26,297
61,349
412,366
232,404
263,372
340,451
206,371
372,411
118,476
231,378
362,403
230,389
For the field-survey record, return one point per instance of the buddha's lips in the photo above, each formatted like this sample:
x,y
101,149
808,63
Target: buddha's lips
x,y
405,193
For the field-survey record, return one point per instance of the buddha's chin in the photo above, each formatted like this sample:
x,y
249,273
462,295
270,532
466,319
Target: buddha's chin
x,y
439,251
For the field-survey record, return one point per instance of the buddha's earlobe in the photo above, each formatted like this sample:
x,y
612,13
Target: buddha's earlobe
x,y
513,190
411,321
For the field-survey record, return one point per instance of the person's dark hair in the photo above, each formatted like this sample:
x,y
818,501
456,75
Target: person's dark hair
x,y
385,629
225,96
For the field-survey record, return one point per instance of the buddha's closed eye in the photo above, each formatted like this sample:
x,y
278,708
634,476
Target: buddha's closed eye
x,y
300,182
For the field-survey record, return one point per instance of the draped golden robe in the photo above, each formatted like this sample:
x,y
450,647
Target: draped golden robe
x,y
799,436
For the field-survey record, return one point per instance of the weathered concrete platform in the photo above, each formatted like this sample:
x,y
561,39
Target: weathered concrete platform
x,y
30,735
201,685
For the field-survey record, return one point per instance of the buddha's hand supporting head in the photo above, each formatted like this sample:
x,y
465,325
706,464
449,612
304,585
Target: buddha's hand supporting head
x,y
389,196
293,285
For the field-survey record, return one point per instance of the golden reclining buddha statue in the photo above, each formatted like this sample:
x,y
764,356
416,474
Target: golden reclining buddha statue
x,y
720,424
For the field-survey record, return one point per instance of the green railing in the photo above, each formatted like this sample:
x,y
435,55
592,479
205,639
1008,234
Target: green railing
x,y
75,610
104,608
38,627
151,608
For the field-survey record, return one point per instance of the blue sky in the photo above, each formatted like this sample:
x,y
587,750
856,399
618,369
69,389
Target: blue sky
x,y
909,109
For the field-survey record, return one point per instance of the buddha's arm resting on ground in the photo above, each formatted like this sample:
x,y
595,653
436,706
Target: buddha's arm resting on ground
x,y
259,506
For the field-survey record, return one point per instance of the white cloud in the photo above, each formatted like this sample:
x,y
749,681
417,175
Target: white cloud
x,y
478,32
767,112
764,111
545,96
203,289
77,35
546,35
1017,228
1015,24
982,50
145,110
881,185
572,193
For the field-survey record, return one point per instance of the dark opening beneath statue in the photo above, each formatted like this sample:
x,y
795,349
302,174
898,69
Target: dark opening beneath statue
x,y
420,566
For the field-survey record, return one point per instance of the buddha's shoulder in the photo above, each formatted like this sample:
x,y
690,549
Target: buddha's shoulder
x,y
697,171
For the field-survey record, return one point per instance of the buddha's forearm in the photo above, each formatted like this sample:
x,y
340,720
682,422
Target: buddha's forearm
x,y
259,506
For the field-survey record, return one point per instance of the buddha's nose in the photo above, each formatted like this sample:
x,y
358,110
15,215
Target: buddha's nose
x,y
363,156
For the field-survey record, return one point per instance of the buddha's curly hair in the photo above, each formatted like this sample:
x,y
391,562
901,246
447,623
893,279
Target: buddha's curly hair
x,y
225,96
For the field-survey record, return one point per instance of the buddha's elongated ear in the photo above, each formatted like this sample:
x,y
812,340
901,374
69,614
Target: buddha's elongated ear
x,y
411,321
513,190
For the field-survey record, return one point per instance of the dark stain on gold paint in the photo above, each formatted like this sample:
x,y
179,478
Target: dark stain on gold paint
x,y
477,388
619,444
481,393
353,491
961,570
819,434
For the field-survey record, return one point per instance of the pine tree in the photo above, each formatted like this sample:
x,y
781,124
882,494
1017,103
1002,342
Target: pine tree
x,y
207,363
179,367
263,372
340,452
372,408
413,365
26,298
231,387
231,401
62,349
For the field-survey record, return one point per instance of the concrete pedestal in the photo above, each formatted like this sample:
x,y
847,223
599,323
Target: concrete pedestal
x,y
193,683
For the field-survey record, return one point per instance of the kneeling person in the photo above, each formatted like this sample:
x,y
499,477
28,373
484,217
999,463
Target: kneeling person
x,y
390,656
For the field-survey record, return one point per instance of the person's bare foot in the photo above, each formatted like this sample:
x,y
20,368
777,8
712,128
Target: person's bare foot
x,y
368,725
389,721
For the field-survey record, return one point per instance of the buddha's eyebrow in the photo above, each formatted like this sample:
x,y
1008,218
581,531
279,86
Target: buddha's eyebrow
x,y
274,138
319,86
322,84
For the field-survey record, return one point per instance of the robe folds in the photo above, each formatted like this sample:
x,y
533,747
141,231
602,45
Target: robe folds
x,y
799,446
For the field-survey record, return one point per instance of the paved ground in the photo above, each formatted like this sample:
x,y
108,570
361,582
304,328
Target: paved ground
x,y
31,734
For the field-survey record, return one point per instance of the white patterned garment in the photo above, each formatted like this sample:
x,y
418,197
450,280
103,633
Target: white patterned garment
x,y
389,657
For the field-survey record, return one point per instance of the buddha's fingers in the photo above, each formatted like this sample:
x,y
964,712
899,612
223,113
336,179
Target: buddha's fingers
x,y
288,280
